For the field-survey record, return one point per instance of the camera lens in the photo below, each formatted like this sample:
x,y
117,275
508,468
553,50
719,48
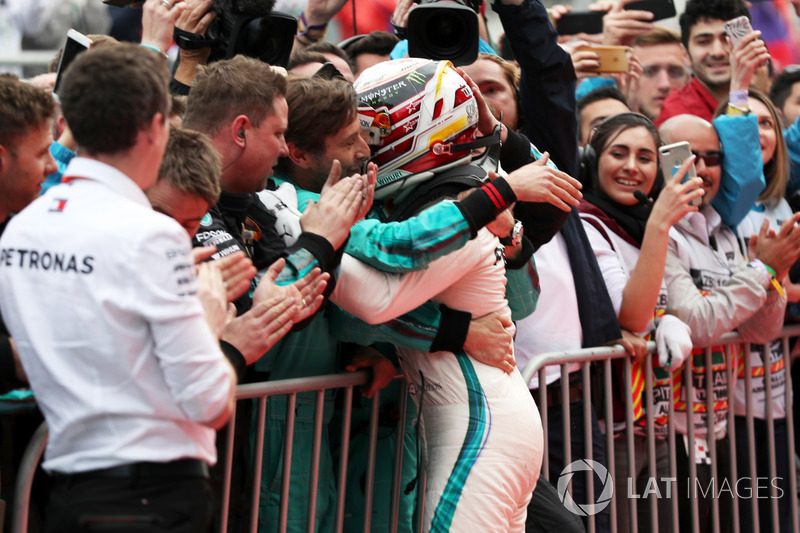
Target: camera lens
x,y
445,33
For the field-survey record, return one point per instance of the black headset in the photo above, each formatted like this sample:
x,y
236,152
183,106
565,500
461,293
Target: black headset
x,y
588,155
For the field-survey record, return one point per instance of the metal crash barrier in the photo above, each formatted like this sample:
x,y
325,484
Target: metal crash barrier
x,y
597,369
261,392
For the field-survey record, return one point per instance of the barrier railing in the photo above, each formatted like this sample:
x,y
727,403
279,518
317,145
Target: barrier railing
x,y
33,58
606,355
345,383
261,392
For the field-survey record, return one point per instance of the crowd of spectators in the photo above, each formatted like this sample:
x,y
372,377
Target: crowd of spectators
x,y
168,234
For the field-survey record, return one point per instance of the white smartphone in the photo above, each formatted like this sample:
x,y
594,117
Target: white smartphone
x,y
737,29
75,44
672,157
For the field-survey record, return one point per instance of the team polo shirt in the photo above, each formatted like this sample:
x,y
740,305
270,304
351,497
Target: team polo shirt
x,y
99,296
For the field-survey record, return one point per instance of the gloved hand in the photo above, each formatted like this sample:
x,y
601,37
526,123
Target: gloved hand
x,y
674,342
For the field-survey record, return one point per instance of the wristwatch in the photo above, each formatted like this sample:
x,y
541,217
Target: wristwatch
x,y
515,236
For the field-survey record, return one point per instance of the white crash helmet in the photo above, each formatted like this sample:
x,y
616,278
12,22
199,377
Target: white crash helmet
x,y
419,116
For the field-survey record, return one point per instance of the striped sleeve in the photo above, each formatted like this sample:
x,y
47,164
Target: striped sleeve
x,y
411,244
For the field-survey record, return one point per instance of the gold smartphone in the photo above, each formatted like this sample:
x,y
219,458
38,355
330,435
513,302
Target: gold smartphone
x,y
612,58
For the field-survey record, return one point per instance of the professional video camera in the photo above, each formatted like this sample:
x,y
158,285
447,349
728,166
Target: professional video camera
x,y
444,29
247,27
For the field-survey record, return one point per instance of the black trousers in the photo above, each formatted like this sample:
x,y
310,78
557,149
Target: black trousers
x,y
704,488
129,505
555,439
761,492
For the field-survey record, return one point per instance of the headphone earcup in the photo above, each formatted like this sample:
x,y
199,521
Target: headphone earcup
x,y
588,159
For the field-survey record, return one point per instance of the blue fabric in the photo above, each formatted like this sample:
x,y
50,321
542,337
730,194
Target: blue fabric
x,y
63,156
742,169
792,137
590,84
401,49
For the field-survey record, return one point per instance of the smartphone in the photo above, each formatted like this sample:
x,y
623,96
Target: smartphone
x,y
672,157
737,29
579,22
661,9
76,44
612,58
592,21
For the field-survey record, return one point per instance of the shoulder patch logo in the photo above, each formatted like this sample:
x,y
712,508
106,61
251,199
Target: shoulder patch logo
x,y
206,221
58,205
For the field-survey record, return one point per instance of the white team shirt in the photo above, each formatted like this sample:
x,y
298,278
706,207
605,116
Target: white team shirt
x,y
99,296
555,325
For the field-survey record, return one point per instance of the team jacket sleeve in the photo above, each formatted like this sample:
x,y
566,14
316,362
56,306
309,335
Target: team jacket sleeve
x,y
411,244
522,289
742,302
376,297
429,328
164,293
416,330
742,169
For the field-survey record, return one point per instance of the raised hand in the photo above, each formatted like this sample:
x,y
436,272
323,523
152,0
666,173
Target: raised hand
x,y
196,18
237,270
211,293
305,292
337,209
158,22
673,201
746,57
778,251
536,182
620,25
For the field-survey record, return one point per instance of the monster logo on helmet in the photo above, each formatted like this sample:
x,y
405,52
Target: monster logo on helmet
x,y
420,117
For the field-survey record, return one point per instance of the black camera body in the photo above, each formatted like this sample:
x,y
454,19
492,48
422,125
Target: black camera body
x,y
444,29
247,27
251,28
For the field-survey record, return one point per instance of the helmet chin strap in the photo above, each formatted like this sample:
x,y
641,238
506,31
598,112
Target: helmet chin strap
x,y
480,142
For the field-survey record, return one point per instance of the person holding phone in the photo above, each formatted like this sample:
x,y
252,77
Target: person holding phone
x,y
771,206
716,290
629,234
718,67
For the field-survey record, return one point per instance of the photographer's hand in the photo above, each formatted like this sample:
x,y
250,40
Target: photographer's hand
x,y
401,11
158,22
316,13
196,18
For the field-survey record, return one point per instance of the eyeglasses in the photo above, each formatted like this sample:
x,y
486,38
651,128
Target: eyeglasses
x,y
711,158
674,72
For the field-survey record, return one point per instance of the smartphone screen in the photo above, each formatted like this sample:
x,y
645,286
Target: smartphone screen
x,y
737,29
75,44
580,22
661,9
672,157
